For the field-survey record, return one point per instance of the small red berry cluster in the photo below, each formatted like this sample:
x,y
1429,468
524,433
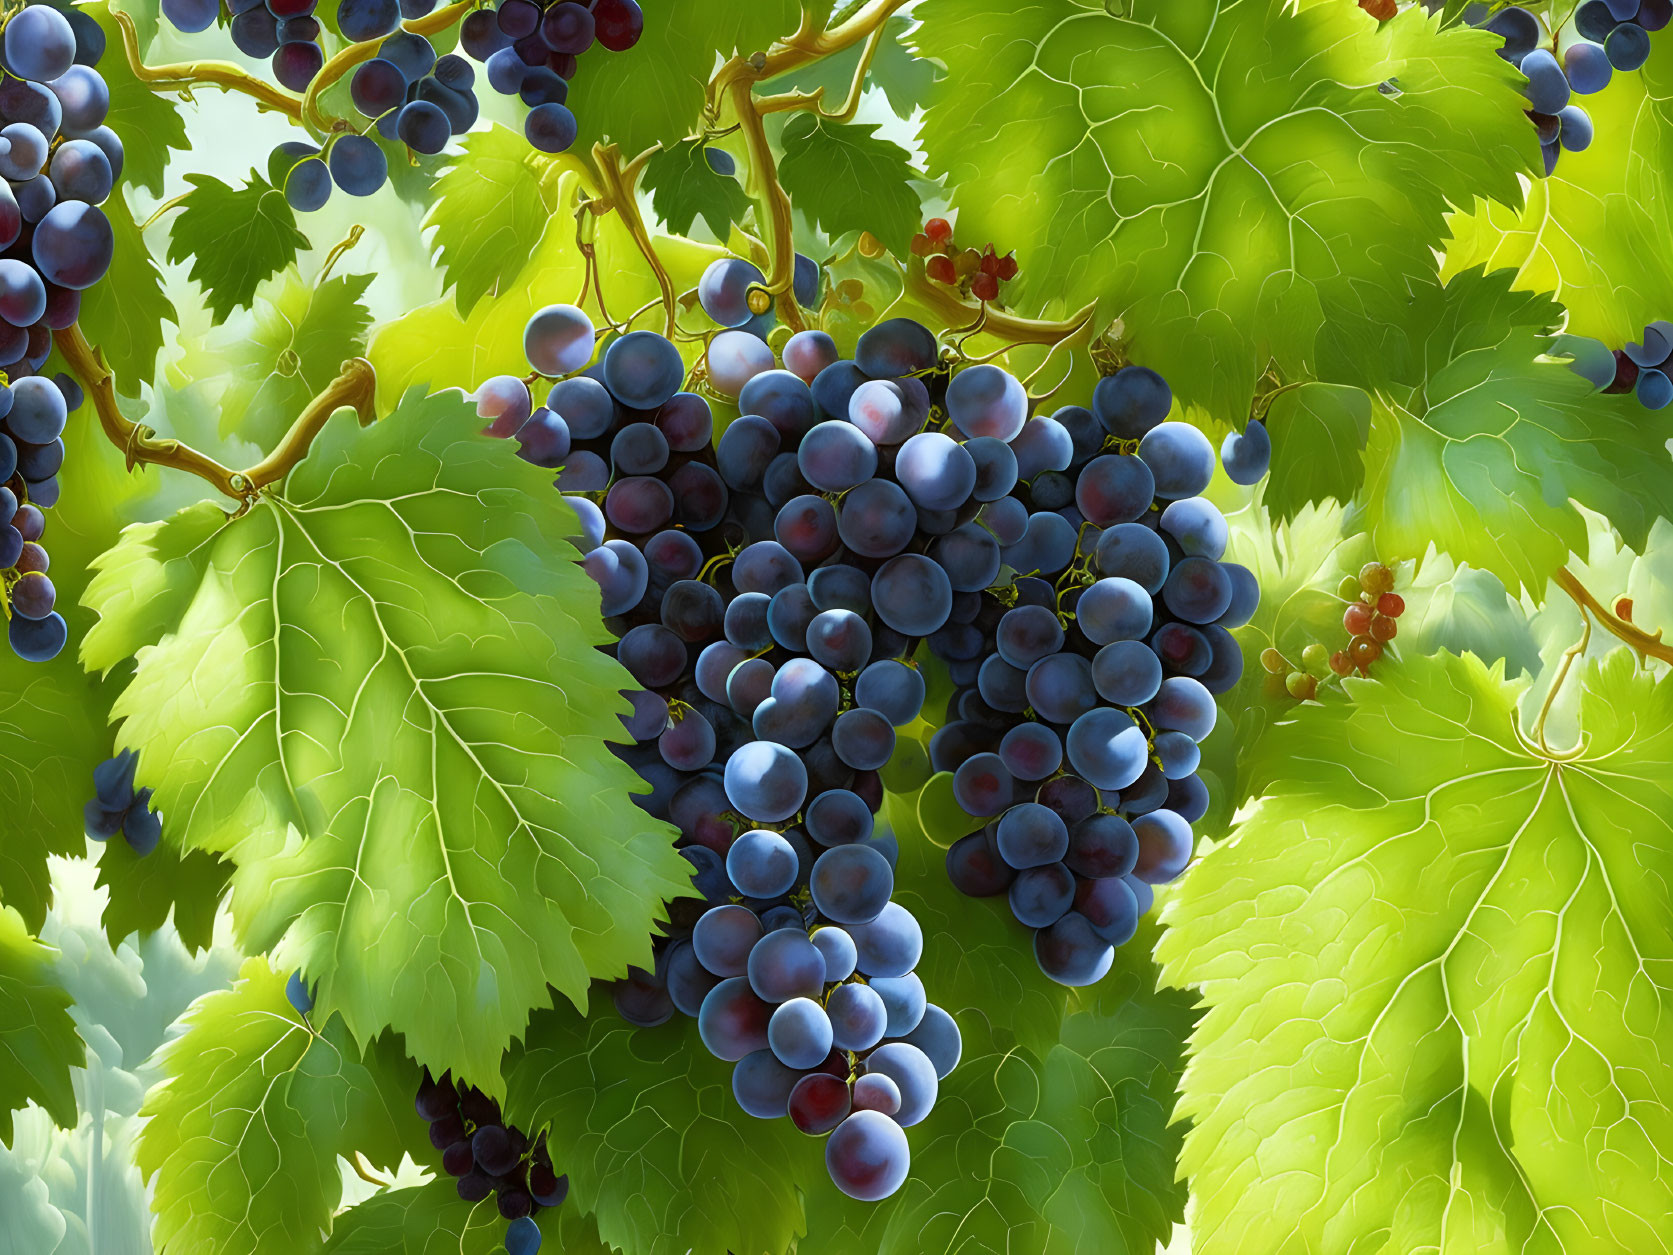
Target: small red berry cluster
x,y
973,272
1382,10
1371,622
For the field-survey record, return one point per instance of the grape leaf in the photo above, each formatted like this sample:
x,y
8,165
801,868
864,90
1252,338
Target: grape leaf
x,y
488,205
903,78
38,1041
166,884
419,1220
235,236
846,179
302,334
124,313
1594,234
1434,962
148,122
1462,610
653,92
656,1147
1319,432
684,187
1481,444
1228,177
243,1134
377,692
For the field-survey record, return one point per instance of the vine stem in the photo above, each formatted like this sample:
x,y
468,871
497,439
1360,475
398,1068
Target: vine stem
x,y
354,386
618,183
815,100
347,58
1569,655
185,75
996,322
805,46
775,203
1646,643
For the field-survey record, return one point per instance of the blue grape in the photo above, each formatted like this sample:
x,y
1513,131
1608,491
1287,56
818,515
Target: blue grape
x,y
747,448
799,1033
903,1001
539,85
766,782
762,864
639,504
620,572
558,339
40,44
1102,845
294,62
1594,21
723,290
745,621
1188,798
936,471
1587,66
1577,129
912,594
1197,525
298,994
1106,748
83,101
982,785
1164,846
1247,454
858,1017
1654,389
895,347
1180,458
360,20
1519,28
937,1035
1184,705
22,294
723,938
1198,590
1182,648
1059,687
649,716
191,16
808,352
1110,906
1653,15
836,947
851,884
839,817
1627,47
1031,835
876,519
996,467
1114,609
35,198
876,1092
1547,87
783,400
1026,634
38,640
765,567
785,964
1132,401
567,28
732,1021
1031,751
1043,444
836,456
1048,545
819,1103
1040,895
1006,518
81,171
867,1156
1177,753
788,614
642,370
38,411
1652,350
893,689
1070,951
749,685
975,868
834,387
984,400
552,128
970,557
585,471
889,945
506,71
26,152
358,165
805,281
889,411
73,243
255,33
1246,595
762,1085
422,127
911,1070
839,640
638,449
684,420
522,1236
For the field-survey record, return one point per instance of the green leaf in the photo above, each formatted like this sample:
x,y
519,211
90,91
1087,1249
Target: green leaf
x,y
1226,177
846,179
653,92
1434,963
124,313
302,334
147,891
489,206
1594,233
655,1145
235,236
243,1134
419,1220
938,813
147,121
38,1041
382,706
1462,610
903,78
1318,442
1482,444
684,187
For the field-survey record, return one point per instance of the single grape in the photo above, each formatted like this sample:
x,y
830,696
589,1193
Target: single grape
x,y
984,400
734,358
552,128
1131,402
889,945
39,43
724,288
1627,47
1071,952
895,347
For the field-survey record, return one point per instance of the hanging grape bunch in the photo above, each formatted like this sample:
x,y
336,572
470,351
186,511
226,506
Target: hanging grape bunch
x,y
118,807
60,162
532,51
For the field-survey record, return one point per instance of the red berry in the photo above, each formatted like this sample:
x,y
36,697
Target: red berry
x,y
939,230
921,247
1008,266
1384,628
1340,663
984,287
1357,618
990,263
1364,651
1623,608
1382,10
1391,604
1626,373
940,268
618,23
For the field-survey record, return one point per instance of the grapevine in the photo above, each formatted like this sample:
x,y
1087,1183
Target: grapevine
x,y
792,627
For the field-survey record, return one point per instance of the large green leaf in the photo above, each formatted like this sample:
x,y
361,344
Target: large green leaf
x,y
489,208
1226,176
684,187
1436,965
1318,444
124,313
303,332
653,92
166,885
236,237
847,179
38,1041
244,1132
378,693
1482,444
1594,234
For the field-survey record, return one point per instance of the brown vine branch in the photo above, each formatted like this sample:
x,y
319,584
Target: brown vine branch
x,y
805,46
815,99
185,75
354,386
774,202
1646,643
996,322
617,183
347,58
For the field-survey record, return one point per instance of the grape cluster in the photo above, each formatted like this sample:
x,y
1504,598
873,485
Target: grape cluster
x,y
487,1156
768,697
532,50
1645,367
116,806
974,272
1610,35
410,93
1370,620
60,162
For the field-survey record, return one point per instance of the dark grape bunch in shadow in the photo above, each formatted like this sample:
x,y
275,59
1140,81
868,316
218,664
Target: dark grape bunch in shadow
x,y
485,1155
1643,367
58,163
1607,35
117,807
532,51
